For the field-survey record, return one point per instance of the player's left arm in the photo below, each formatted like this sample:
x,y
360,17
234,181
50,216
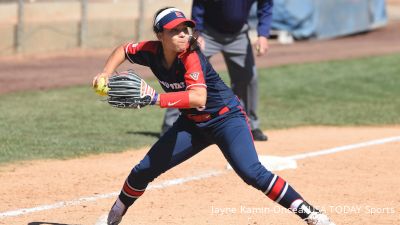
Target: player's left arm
x,y
195,95
194,98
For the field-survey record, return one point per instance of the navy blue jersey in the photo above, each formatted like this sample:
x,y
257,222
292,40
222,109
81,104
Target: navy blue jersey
x,y
189,69
229,16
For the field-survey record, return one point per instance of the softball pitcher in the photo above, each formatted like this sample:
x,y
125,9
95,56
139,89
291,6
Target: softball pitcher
x,y
210,114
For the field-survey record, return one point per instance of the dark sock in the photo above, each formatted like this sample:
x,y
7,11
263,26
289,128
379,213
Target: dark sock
x,y
130,194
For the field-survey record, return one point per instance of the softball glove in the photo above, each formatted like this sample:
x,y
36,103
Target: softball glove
x,y
129,90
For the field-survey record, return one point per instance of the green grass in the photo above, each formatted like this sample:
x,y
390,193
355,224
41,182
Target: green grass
x,y
353,92
72,122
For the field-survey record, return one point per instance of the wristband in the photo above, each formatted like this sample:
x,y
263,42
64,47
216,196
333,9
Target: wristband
x,y
179,100
154,99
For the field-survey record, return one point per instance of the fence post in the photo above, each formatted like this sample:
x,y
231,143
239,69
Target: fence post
x,y
83,24
141,20
20,26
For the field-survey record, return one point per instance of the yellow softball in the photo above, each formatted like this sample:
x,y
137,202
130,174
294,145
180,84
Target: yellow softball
x,y
101,87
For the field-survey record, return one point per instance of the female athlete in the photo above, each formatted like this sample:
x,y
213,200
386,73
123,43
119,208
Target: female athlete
x,y
210,114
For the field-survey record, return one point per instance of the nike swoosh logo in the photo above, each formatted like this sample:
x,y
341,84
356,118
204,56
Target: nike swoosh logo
x,y
173,103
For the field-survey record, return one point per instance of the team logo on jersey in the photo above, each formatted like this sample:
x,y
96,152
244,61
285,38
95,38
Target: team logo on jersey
x,y
195,75
134,45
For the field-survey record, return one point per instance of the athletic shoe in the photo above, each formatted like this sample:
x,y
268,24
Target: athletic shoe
x,y
258,135
317,218
115,215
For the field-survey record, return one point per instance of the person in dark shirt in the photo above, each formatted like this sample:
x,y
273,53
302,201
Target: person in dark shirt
x,y
210,114
222,25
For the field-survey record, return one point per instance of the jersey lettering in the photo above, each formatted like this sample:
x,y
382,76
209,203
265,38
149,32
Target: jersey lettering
x,y
174,86
190,70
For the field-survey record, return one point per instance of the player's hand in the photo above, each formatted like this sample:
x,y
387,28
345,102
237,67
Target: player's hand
x,y
262,45
98,77
99,84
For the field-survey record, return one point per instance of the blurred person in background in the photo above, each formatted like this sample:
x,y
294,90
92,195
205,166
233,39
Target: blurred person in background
x,y
222,27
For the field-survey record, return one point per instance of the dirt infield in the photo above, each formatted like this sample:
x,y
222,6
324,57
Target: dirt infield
x,y
358,186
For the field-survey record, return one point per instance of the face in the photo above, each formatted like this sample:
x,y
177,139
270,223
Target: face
x,y
176,39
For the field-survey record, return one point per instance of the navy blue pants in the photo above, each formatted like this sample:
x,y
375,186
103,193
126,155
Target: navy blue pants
x,y
186,138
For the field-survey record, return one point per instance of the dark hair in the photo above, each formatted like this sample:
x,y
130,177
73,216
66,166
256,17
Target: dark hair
x,y
193,43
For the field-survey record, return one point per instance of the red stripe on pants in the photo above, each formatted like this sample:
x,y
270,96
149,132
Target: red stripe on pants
x,y
276,189
132,192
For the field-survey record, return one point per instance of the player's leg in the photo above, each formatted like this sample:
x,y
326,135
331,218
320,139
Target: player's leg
x,y
235,140
239,58
178,144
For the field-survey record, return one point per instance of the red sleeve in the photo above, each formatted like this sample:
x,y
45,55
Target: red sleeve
x,y
194,75
139,52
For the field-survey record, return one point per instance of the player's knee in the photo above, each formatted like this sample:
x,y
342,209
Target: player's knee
x,y
257,176
144,173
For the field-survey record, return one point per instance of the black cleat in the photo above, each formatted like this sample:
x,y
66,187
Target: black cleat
x,y
258,135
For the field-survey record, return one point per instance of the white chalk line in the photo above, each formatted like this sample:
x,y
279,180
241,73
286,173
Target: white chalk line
x,y
344,148
173,182
93,198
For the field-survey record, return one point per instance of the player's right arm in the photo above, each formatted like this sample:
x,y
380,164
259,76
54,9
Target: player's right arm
x,y
116,58
195,95
134,52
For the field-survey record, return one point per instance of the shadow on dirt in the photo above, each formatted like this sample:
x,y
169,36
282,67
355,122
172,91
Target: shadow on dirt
x,y
48,223
145,133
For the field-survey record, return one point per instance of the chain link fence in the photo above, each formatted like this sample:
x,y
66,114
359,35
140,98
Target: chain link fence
x,y
32,26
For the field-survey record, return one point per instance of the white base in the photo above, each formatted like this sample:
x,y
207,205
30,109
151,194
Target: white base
x,y
275,163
